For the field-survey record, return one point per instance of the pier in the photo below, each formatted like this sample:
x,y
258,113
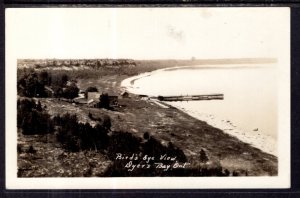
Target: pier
x,y
191,97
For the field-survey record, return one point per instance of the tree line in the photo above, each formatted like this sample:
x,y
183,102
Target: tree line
x,y
43,84
32,118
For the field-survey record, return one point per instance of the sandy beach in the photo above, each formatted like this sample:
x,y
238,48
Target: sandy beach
x,y
256,139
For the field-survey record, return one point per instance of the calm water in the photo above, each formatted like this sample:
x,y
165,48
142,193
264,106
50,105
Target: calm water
x,y
250,98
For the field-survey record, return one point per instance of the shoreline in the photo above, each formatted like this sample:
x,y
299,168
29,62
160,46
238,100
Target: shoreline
x,y
261,141
264,142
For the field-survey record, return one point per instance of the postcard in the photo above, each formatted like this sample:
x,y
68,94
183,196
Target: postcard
x,y
147,98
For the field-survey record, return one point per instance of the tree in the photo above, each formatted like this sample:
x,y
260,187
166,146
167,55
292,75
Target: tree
x,y
203,156
160,98
31,149
104,101
146,136
39,106
123,142
58,91
30,86
64,79
106,122
75,136
44,78
71,92
36,122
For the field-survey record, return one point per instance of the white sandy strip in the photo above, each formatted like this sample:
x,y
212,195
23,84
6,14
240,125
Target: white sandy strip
x,y
129,86
128,83
256,139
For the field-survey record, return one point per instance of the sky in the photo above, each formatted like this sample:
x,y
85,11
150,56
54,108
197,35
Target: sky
x,y
146,33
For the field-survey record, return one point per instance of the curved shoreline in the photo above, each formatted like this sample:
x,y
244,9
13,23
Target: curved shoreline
x,y
259,140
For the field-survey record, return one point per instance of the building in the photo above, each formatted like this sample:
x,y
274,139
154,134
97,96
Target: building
x,y
125,94
93,95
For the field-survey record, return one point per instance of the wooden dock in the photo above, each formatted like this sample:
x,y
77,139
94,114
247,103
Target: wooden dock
x,y
192,97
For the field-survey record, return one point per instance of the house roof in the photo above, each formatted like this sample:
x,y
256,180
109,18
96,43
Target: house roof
x,y
124,93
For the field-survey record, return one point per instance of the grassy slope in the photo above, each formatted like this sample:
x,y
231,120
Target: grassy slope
x,y
50,160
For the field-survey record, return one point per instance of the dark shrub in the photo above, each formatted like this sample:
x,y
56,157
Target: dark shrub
x,y
19,149
31,118
160,98
31,150
104,101
154,148
75,136
123,142
44,78
106,122
91,116
36,123
64,79
58,91
71,92
29,85
146,136
203,156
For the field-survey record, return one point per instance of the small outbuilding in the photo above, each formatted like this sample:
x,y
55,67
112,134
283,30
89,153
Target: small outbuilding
x,y
93,95
125,94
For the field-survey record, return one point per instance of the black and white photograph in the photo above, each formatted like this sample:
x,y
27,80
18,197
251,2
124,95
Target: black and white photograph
x,y
147,98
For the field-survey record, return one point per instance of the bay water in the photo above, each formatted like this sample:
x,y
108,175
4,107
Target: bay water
x,y
248,110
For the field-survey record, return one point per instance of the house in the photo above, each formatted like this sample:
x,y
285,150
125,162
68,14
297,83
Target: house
x,y
93,95
125,94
